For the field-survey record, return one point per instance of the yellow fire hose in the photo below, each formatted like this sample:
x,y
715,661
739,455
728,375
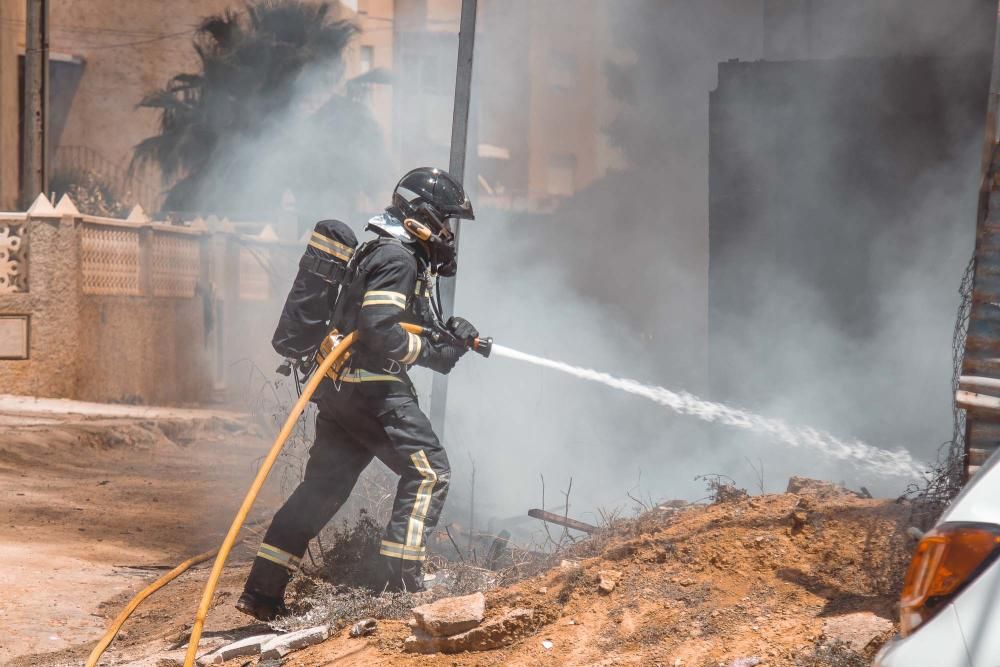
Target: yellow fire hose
x,y
119,621
482,346
222,553
258,482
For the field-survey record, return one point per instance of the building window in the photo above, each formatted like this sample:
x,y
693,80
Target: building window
x,y
367,58
561,175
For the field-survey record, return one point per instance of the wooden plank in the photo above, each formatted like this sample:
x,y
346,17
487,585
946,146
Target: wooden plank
x,y
978,403
979,384
979,457
562,521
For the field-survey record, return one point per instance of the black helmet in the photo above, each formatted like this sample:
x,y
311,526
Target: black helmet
x,y
428,198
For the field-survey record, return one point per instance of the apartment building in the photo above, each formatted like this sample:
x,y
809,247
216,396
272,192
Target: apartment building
x,y
539,99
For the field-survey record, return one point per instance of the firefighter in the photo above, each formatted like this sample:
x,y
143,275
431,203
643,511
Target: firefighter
x,y
370,408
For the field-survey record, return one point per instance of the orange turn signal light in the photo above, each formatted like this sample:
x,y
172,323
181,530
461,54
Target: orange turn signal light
x,y
947,559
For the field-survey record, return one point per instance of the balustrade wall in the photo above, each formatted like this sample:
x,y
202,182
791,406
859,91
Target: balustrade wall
x,y
133,310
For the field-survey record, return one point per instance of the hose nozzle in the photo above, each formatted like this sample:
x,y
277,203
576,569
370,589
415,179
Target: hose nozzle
x,y
439,332
482,346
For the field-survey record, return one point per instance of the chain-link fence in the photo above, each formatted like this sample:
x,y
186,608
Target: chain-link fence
x,y
942,483
956,450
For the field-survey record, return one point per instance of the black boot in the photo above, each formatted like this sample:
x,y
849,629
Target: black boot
x,y
262,607
403,575
264,592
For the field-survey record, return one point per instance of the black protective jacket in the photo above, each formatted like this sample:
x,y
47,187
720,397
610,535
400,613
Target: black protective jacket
x,y
392,285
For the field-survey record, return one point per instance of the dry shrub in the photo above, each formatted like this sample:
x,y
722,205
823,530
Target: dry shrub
x,y
349,554
318,602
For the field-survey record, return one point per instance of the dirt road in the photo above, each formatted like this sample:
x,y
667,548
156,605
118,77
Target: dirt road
x,y
92,504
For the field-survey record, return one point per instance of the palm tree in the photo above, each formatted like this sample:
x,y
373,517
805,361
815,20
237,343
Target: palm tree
x,y
261,116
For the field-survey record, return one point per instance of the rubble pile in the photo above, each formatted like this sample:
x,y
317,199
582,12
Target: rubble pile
x,y
456,625
789,580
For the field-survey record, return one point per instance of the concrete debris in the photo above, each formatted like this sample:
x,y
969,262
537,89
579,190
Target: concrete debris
x,y
241,649
747,662
608,580
364,627
805,486
282,645
547,644
206,645
451,616
490,635
858,631
421,642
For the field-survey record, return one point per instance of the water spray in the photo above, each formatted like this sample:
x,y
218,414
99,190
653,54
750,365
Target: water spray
x,y
891,464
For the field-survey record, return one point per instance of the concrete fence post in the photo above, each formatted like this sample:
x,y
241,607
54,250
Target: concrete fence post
x,y
53,298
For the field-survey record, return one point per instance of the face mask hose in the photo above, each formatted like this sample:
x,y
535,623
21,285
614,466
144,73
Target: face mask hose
x,y
482,345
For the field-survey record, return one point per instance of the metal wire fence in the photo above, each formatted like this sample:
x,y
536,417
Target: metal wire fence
x,y
941,484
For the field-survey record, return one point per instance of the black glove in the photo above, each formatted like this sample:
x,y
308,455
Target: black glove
x,y
463,330
440,356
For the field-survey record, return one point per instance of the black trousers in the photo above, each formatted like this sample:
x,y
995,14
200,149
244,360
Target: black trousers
x,y
367,419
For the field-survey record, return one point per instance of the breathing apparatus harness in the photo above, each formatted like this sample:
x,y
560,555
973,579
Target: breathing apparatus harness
x,y
349,286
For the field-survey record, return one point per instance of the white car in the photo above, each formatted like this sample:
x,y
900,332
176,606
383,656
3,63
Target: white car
x,y
950,606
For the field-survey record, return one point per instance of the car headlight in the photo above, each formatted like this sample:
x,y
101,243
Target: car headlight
x,y
947,559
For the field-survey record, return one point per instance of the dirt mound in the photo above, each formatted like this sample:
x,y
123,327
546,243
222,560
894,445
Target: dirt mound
x,y
796,580
755,581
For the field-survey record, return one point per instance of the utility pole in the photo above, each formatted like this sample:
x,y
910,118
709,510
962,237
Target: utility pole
x,y
11,15
34,166
456,167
